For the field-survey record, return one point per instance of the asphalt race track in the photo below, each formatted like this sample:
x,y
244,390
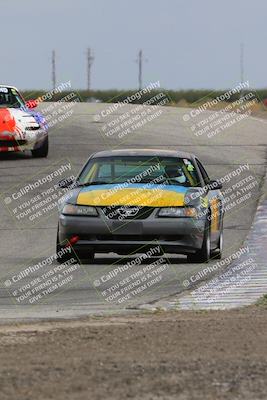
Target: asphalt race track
x,y
83,132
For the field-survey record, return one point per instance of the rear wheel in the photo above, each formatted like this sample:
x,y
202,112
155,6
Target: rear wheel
x,y
42,151
202,255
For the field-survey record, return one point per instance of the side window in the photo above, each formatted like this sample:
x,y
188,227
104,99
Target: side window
x,y
204,174
104,171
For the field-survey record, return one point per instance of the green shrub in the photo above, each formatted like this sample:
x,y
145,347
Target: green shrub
x,y
114,95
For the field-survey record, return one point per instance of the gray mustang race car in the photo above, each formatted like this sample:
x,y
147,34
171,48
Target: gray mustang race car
x,y
123,200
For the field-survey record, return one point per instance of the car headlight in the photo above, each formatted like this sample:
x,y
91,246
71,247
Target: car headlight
x,y
73,209
176,212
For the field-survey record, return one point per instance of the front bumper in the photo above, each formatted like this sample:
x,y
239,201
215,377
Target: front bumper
x,y
30,140
100,234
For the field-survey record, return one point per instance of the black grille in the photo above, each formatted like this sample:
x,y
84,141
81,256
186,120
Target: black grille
x,y
32,128
12,143
127,212
141,238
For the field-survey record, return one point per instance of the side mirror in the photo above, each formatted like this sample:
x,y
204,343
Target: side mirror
x,y
65,183
31,104
214,185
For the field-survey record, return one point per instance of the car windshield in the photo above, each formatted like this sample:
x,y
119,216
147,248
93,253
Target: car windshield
x,y
134,169
10,98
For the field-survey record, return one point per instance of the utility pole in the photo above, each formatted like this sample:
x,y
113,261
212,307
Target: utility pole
x,y
140,69
140,61
242,62
90,60
54,69
241,68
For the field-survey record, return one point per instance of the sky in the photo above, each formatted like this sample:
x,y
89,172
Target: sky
x,y
187,44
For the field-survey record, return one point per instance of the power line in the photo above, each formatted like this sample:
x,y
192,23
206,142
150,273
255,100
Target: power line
x,y
90,60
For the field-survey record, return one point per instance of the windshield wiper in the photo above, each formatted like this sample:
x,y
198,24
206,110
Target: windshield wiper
x,y
168,181
93,183
172,181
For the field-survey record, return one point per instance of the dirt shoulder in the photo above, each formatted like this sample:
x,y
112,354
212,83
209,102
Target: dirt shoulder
x,y
175,355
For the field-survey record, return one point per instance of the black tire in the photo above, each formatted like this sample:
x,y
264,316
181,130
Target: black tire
x,y
42,151
202,255
216,254
66,257
89,258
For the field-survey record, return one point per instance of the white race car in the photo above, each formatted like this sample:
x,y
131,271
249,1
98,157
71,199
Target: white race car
x,y
21,128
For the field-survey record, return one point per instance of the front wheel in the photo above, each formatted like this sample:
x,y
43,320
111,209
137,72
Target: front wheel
x,y
202,255
42,151
64,256
217,253
72,255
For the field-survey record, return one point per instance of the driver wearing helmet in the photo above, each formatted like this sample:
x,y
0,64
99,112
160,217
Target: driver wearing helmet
x,y
175,172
